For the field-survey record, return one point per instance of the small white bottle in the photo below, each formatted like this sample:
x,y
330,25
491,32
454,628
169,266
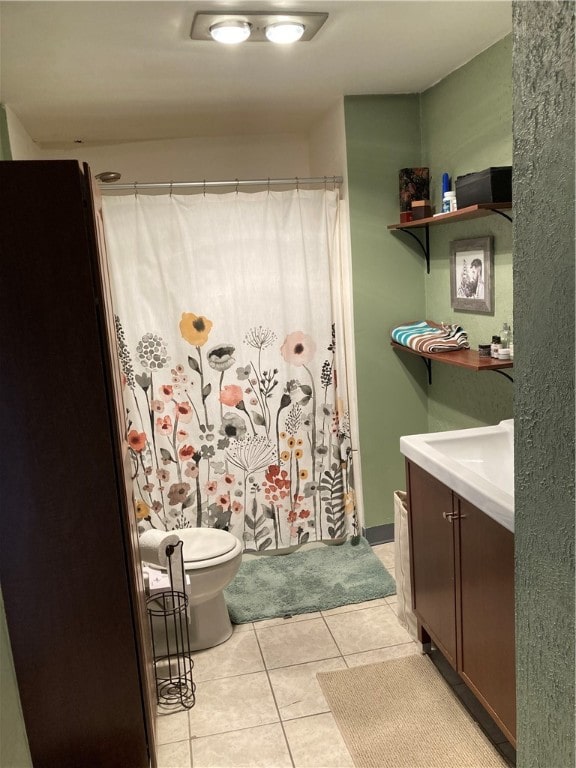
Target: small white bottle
x,y
504,351
449,202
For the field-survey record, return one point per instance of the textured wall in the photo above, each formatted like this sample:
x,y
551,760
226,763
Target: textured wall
x,y
543,75
467,126
382,136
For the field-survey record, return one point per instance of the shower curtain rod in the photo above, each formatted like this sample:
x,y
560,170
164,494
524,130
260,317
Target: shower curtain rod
x,y
236,183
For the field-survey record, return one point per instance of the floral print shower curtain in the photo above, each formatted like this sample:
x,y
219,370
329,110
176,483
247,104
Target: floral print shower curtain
x,y
230,334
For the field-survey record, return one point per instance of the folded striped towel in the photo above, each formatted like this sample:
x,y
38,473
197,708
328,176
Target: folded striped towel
x,y
424,337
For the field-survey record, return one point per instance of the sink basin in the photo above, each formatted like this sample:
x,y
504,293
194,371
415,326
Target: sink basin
x,y
478,464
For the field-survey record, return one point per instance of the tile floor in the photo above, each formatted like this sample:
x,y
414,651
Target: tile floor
x,y
258,702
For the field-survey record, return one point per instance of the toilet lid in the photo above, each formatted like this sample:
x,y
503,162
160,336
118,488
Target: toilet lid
x,y
207,543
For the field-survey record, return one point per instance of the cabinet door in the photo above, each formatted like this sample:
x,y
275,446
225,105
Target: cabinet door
x,y
432,558
487,613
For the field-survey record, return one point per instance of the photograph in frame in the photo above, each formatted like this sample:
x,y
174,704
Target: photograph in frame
x,y
472,275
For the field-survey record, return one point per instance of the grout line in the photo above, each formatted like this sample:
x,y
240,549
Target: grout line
x,y
275,702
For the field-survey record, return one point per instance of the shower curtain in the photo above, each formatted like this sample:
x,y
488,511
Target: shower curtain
x,y
229,320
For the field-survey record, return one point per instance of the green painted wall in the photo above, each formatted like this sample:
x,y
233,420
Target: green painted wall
x,y
462,124
14,751
467,126
544,297
382,136
5,151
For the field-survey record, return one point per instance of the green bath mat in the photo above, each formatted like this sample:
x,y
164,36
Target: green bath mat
x,y
308,580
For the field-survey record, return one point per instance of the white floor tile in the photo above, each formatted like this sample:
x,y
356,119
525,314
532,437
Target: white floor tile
x,y
356,606
232,703
262,747
173,727
366,629
291,620
316,742
385,553
296,643
240,654
297,691
176,755
382,654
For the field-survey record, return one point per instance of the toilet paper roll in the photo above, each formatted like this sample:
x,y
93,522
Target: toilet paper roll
x,y
153,545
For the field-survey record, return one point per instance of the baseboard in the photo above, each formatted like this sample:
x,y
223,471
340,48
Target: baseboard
x,y
379,534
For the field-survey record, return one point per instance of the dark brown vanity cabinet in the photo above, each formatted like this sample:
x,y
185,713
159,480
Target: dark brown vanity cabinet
x,y
462,567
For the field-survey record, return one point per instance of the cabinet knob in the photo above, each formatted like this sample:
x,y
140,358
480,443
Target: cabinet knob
x,y
450,516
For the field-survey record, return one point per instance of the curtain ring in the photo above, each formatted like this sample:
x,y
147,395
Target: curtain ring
x,y
325,184
237,182
268,184
297,184
135,190
171,183
204,188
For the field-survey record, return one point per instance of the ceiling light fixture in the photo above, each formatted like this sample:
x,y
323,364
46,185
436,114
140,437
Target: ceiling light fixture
x,y
256,27
285,32
230,32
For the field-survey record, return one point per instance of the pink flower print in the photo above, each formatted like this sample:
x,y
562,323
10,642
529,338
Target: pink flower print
x,y
178,493
181,435
224,501
253,401
298,348
186,452
237,507
211,487
304,514
191,470
229,479
164,425
231,395
157,405
184,412
292,517
163,475
166,392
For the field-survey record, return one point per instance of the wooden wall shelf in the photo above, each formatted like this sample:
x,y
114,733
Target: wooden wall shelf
x,y
463,358
471,212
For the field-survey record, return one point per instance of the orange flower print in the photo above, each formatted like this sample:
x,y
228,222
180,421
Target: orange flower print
x,y
237,507
142,510
184,412
164,425
137,440
231,395
304,514
292,516
298,348
195,329
211,486
229,479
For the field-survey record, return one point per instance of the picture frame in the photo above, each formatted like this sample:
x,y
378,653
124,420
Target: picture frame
x,y
472,275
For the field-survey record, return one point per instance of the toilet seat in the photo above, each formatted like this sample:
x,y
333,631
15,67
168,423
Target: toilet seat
x,y
205,547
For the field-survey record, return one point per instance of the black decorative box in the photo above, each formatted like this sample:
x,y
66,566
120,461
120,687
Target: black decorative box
x,y
494,185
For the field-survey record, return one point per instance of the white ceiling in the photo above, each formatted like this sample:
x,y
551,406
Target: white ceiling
x,y
123,71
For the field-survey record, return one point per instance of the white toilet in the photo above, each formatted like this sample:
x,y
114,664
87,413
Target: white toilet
x,y
211,560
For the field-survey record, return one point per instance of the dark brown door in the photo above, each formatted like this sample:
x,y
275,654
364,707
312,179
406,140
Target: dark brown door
x,y
432,558
66,559
487,634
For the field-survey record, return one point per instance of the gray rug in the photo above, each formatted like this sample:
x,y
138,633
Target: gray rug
x,y
308,580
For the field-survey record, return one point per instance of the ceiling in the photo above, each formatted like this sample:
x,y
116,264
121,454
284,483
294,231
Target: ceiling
x,y
110,71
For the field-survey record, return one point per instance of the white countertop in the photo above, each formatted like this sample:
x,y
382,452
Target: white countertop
x,y
477,464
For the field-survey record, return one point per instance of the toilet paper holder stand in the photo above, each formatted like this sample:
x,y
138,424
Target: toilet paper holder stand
x,y
168,617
